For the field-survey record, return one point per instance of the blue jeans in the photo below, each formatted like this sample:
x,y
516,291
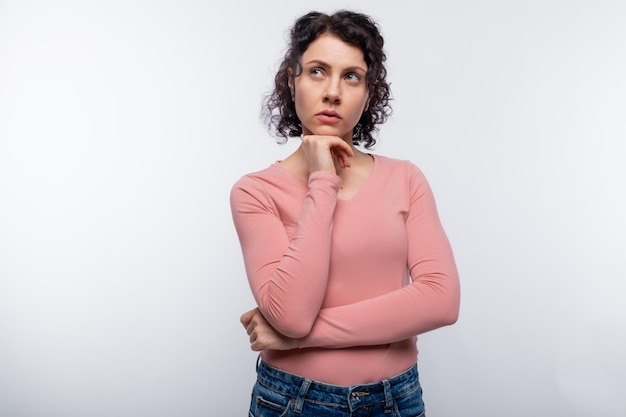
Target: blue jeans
x,y
281,394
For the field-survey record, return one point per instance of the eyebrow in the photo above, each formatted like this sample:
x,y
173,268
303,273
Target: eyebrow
x,y
352,68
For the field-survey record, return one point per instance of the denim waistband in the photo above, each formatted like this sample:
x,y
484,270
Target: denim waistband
x,y
352,397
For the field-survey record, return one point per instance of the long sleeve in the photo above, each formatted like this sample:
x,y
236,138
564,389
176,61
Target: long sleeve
x,y
286,264
431,300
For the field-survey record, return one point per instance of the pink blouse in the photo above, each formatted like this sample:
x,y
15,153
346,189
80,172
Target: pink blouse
x,y
357,280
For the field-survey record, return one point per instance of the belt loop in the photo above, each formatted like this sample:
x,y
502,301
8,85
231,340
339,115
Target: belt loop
x,y
306,383
388,396
258,360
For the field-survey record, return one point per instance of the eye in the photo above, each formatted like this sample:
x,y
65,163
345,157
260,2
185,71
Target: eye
x,y
353,76
316,72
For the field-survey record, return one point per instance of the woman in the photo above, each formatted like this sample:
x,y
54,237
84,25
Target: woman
x,y
344,250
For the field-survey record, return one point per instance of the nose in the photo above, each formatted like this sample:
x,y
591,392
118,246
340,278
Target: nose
x,y
333,92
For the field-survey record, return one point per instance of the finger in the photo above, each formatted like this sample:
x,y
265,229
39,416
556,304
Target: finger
x,y
328,142
341,161
343,146
342,149
342,158
250,328
245,319
247,316
256,344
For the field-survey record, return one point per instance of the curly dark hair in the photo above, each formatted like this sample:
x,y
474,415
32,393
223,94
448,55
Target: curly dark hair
x,y
279,109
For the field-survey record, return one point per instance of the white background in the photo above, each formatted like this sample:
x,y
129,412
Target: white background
x,y
123,125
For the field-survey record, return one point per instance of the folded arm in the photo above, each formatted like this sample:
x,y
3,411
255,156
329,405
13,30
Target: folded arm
x,y
430,301
288,277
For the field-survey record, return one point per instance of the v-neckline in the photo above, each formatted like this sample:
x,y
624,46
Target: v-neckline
x,y
363,185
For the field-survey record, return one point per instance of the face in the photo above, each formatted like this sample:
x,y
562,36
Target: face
x,y
331,93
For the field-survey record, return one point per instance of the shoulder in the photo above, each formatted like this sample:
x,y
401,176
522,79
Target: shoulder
x,y
399,167
404,175
268,175
254,184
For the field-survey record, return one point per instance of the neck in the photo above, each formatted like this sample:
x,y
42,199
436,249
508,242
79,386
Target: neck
x,y
296,163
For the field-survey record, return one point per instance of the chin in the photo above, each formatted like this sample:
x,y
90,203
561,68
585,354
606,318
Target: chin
x,y
330,131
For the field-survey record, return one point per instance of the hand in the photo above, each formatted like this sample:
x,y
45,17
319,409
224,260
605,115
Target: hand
x,y
322,152
263,335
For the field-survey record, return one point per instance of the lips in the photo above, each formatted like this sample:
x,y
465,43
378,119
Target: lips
x,y
329,113
328,116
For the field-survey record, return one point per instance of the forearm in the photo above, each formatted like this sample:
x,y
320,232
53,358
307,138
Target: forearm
x,y
415,309
288,275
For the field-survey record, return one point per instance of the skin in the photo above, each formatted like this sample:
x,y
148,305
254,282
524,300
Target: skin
x,y
262,335
330,96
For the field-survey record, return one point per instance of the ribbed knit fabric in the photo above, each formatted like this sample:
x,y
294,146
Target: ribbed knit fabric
x,y
357,280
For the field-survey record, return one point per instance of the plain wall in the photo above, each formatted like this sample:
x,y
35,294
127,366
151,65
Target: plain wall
x,y
123,125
